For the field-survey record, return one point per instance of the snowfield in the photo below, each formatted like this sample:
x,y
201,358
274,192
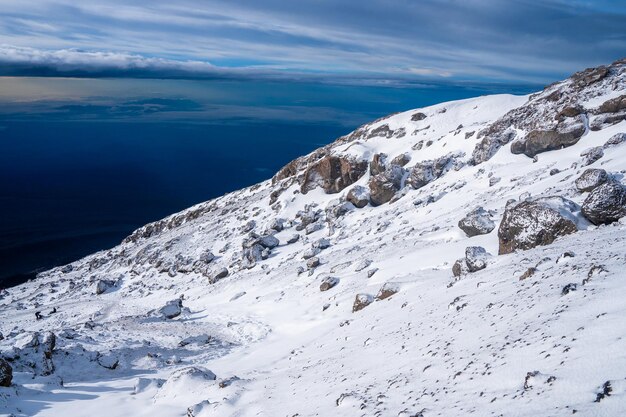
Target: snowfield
x,y
156,327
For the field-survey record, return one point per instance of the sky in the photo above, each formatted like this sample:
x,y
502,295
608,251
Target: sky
x,y
345,41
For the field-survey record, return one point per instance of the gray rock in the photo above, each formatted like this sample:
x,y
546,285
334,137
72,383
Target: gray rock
x,y
421,174
6,373
311,252
293,238
361,265
477,222
277,225
532,223
313,262
321,243
103,285
416,117
401,160
217,275
460,268
538,141
476,258
359,196
605,204
248,227
252,255
207,257
109,361
590,179
312,228
591,155
616,139
172,309
387,290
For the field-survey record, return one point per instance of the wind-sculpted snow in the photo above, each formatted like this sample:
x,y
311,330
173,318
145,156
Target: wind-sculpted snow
x,y
279,300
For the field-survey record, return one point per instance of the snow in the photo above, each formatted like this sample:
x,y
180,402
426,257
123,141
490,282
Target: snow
x,y
487,344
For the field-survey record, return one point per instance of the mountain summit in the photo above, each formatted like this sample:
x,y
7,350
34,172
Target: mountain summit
x,y
461,259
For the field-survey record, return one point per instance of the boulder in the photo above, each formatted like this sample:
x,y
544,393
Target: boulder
x,y
590,179
172,309
605,204
416,117
293,238
359,196
109,361
460,268
476,258
615,140
311,252
217,275
248,227
613,105
591,155
361,301
103,285
207,256
361,265
328,283
532,223
538,141
477,222
276,225
378,165
321,243
384,186
6,373
387,290
333,174
421,174
313,262
252,255
401,160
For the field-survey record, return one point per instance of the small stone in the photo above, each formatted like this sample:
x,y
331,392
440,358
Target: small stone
x,y
361,301
328,283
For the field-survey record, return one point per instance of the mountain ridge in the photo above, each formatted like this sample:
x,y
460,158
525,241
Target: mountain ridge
x,y
363,279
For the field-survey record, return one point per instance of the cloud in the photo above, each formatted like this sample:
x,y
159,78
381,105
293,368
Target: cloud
x,y
523,41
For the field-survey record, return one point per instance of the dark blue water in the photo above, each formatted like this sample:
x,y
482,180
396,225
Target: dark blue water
x,y
95,159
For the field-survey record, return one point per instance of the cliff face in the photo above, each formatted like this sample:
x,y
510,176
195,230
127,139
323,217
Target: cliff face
x,y
363,279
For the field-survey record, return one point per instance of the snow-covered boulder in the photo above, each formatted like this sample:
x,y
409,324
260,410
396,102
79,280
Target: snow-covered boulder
x,y
477,222
476,258
591,155
328,283
172,309
333,174
387,290
536,222
108,360
359,196
361,301
590,179
378,164
605,204
616,139
103,285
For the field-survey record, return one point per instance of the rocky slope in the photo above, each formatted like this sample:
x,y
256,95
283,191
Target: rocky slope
x,y
464,258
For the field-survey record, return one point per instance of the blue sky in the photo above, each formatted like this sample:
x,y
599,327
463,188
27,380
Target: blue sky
x,y
374,41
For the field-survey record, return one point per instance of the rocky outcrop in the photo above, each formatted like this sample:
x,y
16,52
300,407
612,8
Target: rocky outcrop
x,y
590,179
605,204
477,222
538,141
532,223
384,186
6,373
359,196
333,174
425,172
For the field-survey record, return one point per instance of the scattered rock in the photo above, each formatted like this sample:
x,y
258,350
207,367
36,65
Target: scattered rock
x,y
313,262
361,265
321,243
6,373
606,391
328,283
460,268
416,117
361,301
477,222
311,252
333,174
172,308
207,257
293,238
228,381
277,225
109,361
359,196
371,272
591,155
605,204
252,255
378,165
387,290
494,180
554,171
401,160
590,179
536,222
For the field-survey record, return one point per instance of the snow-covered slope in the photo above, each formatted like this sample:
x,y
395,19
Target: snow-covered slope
x,y
215,311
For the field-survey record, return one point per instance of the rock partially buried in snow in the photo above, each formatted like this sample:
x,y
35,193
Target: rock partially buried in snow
x,y
477,222
615,140
217,275
109,361
590,179
359,196
172,309
387,290
361,301
328,283
605,204
6,373
361,265
536,222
